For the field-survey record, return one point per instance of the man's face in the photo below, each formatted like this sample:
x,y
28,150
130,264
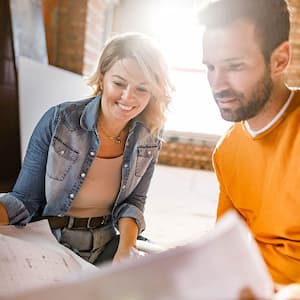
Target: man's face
x,y
237,73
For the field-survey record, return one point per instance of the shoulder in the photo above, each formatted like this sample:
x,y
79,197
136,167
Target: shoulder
x,y
231,135
75,105
229,141
294,107
70,112
144,136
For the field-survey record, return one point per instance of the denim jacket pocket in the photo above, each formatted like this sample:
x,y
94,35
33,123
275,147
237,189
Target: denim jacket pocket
x,y
145,155
60,159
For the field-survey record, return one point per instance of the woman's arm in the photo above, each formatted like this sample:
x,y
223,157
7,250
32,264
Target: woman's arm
x,y
133,206
3,215
28,194
128,234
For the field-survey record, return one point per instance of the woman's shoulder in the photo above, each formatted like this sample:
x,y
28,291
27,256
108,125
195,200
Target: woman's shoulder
x,y
146,137
75,104
69,111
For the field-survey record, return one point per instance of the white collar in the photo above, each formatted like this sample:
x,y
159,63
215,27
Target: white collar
x,y
254,133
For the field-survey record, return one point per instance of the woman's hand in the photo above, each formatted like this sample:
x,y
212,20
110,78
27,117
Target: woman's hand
x,y
4,220
124,253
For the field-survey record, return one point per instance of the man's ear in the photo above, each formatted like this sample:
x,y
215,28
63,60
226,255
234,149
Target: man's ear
x,y
280,58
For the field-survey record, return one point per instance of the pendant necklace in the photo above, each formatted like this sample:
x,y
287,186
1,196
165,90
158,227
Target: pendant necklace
x,y
115,139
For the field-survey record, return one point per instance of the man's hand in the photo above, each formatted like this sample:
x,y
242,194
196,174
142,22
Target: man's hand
x,y
289,292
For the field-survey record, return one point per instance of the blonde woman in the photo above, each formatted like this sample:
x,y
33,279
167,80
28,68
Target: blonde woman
x,y
89,163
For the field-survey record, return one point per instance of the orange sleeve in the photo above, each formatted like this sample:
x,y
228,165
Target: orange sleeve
x,y
224,202
4,220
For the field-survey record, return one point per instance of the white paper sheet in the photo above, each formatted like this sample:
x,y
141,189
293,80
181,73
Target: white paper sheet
x,y
216,267
31,257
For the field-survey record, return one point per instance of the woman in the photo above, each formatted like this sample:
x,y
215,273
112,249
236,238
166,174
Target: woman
x,y
89,163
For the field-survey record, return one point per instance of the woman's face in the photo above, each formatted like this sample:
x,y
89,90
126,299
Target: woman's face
x,y
126,91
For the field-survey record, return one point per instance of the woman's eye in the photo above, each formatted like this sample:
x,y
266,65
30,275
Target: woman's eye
x,y
117,83
141,90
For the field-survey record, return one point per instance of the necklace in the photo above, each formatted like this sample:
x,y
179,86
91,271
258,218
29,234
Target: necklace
x,y
115,139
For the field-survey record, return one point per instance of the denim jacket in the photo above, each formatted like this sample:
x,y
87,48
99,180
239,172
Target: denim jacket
x,y
60,152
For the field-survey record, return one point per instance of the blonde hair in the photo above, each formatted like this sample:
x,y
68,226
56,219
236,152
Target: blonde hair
x,y
152,63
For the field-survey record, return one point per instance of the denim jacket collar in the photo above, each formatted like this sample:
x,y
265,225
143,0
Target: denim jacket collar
x,y
90,113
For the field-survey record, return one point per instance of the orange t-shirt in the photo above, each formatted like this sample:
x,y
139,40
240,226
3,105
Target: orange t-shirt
x,y
260,178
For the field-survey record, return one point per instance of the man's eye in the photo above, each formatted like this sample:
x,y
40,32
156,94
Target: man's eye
x,y
236,67
210,68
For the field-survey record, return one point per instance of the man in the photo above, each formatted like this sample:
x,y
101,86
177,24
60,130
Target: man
x,y
246,50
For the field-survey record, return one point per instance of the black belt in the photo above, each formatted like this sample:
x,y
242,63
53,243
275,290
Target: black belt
x,y
78,223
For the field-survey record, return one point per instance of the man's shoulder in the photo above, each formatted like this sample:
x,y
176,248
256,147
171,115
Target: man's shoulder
x,y
231,136
296,99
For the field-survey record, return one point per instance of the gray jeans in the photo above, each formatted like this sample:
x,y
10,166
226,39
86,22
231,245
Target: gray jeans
x,y
87,243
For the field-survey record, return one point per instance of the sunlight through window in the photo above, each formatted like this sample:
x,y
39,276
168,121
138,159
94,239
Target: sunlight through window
x,y
174,24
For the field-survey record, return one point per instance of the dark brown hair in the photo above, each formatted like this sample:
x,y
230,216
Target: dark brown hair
x,y
271,19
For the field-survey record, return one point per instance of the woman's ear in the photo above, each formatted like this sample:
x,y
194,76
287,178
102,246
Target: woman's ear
x,y
280,58
101,83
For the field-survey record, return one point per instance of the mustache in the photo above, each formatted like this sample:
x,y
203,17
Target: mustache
x,y
227,94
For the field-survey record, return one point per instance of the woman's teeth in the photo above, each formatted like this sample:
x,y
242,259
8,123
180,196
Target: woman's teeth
x,y
125,107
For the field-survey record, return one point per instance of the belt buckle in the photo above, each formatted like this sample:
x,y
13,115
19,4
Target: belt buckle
x,y
88,225
70,223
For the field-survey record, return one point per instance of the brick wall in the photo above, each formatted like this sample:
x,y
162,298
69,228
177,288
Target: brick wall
x,y
94,39
187,155
293,73
74,33
189,150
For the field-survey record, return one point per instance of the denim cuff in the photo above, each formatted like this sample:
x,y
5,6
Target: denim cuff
x,y
131,211
17,212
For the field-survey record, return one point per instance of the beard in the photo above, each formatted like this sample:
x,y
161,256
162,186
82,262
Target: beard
x,y
249,106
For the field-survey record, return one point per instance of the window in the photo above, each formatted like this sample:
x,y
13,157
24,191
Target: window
x,y
174,25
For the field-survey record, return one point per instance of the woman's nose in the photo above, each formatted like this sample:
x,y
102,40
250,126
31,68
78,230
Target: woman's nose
x,y
128,93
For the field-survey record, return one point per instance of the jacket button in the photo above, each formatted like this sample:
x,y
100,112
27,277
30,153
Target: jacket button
x,y
92,153
82,175
123,187
126,166
71,196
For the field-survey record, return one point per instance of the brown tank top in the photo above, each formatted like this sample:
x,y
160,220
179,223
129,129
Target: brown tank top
x,y
99,190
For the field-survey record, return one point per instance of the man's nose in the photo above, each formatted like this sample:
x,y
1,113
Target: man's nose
x,y
218,81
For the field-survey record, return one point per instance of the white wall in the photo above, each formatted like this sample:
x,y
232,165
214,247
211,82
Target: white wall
x,y
40,87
